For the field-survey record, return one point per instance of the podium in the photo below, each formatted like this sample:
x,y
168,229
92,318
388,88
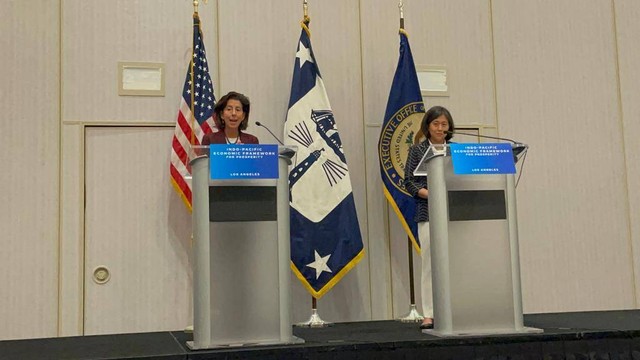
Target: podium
x,y
474,249
241,257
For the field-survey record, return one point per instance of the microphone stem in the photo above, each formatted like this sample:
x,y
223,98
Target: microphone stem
x,y
272,134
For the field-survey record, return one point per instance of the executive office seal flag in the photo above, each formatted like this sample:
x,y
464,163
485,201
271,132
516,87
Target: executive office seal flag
x,y
325,236
398,134
401,129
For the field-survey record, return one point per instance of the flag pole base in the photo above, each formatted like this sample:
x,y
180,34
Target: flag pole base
x,y
314,321
413,316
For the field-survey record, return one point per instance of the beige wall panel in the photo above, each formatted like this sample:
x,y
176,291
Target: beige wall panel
x,y
387,241
627,15
258,41
380,46
30,101
72,231
139,229
98,34
379,255
456,34
557,91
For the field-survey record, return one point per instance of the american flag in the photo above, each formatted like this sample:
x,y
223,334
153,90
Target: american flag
x,y
203,103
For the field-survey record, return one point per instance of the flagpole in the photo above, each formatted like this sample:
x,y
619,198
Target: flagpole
x,y
193,54
401,8
315,321
413,315
189,328
192,120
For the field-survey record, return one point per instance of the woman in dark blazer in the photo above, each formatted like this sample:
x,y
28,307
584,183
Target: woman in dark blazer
x,y
231,115
436,124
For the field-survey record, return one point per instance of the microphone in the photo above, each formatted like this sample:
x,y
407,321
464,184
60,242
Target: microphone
x,y
272,134
518,147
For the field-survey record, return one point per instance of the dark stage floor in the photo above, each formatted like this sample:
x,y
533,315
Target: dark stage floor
x,y
581,335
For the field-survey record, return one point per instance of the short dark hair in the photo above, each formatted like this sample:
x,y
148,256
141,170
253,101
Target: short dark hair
x,y
434,113
222,103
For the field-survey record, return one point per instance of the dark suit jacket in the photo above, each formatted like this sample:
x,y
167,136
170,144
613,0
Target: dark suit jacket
x,y
414,183
219,138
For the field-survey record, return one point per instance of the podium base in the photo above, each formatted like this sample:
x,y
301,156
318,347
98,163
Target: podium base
x,y
294,340
524,330
412,317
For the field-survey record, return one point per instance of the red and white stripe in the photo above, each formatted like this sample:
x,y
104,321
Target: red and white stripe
x,y
181,145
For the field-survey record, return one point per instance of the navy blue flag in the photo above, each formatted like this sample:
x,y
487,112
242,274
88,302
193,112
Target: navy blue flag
x,y
325,236
400,130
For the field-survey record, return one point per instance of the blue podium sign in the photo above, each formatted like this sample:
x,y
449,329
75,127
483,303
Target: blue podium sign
x,y
243,161
482,159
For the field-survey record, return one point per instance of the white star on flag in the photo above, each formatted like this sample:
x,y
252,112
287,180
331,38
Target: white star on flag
x,y
304,55
320,264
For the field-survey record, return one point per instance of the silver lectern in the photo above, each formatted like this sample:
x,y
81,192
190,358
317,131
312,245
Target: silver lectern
x,y
474,250
241,274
